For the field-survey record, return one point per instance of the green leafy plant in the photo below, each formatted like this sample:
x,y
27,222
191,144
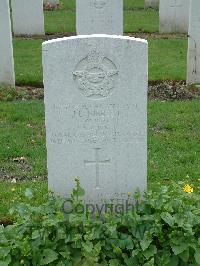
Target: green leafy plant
x,y
163,228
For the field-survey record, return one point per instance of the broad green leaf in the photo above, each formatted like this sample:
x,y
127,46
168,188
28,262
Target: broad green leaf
x,y
135,252
174,261
48,256
168,218
150,251
88,247
35,234
4,251
178,249
150,263
6,262
185,255
65,254
145,243
197,255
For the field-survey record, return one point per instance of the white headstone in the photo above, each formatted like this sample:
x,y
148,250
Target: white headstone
x,y
193,65
152,4
99,17
174,16
96,114
28,17
7,75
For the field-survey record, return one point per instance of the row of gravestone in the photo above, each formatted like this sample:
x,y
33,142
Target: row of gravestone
x,y
99,17
174,16
92,16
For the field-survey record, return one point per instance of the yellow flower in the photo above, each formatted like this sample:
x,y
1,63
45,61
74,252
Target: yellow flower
x,y
188,189
13,189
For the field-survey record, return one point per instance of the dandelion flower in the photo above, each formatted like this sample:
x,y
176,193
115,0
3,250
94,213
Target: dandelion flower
x,y
188,189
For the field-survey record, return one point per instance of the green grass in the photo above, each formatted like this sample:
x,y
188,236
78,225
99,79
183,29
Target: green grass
x,y
141,21
173,140
22,134
129,4
28,61
173,144
61,21
9,198
138,20
167,60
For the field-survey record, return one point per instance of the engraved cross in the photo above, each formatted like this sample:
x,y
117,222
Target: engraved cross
x,y
97,162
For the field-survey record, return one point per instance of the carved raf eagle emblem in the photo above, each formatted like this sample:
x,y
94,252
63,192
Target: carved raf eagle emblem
x,y
95,75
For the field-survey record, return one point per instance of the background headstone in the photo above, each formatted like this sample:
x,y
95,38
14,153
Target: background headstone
x,y
7,75
152,4
28,17
96,114
174,16
99,16
193,67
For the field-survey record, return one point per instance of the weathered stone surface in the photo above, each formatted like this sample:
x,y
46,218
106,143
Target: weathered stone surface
x,y
7,75
152,4
28,17
174,16
96,115
99,17
193,65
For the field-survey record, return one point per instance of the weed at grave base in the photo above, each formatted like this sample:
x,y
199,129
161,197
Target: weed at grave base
x,y
163,228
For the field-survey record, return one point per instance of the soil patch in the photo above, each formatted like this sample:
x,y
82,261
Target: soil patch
x,y
142,35
157,90
10,177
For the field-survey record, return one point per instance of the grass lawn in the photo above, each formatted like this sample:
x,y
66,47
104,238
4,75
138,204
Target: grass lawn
x,y
134,21
15,193
173,145
136,18
141,21
167,60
